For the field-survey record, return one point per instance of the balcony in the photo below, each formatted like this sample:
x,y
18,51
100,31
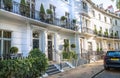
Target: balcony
x,y
90,32
87,31
25,11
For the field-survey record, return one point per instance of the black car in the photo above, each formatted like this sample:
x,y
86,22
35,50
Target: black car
x,y
112,60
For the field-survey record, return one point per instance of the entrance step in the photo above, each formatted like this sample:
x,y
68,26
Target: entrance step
x,y
65,66
52,69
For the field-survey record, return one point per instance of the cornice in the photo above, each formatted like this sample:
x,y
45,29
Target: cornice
x,y
102,10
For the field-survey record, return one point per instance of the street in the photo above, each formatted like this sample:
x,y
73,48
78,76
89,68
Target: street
x,y
113,73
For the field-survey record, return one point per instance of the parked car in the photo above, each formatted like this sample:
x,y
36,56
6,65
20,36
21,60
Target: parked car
x,y
112,60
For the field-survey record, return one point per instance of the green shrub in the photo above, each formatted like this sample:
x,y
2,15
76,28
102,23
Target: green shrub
x,y
74,55
8,4
42,12
23,7
74,21
65,55
63,18
40,62
73,45
30,67
13,50
69,55
101,49
49,11
95,31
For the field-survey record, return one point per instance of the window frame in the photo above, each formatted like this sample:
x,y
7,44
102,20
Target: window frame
x,y
2,39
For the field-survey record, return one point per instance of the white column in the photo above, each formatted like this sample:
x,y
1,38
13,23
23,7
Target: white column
x,y
77,42
56,53
29,39
44,42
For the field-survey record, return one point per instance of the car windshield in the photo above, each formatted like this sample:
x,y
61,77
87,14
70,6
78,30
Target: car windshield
x,y
113,53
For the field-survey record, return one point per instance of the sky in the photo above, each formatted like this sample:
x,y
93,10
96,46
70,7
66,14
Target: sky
x,y
106,3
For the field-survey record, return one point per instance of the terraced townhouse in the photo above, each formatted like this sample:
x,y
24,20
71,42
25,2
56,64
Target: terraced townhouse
x,y
26,26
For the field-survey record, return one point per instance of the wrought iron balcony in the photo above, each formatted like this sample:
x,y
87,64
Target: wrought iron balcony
x,y
25,11
88,31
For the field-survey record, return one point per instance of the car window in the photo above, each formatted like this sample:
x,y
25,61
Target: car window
x,y
113,53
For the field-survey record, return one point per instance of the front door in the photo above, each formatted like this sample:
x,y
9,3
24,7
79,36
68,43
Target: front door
x,y
50,52
50,55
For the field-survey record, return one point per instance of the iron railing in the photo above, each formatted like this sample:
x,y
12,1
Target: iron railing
x,y
90,31
25,10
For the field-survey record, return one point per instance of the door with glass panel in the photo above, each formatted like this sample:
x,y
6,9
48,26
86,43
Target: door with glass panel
x,y
50,51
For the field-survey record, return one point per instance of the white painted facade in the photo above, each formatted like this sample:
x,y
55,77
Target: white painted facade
x,y
22,28
88,21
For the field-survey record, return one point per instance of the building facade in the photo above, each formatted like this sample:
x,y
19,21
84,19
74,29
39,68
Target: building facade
x,y
100,28
22,25
26,26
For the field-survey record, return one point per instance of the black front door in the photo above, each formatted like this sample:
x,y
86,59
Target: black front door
x,y
50,55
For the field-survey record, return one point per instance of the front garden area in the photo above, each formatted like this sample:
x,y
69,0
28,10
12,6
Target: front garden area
x,y
32,66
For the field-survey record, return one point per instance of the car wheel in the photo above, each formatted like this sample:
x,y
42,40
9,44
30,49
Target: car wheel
x,y
106,68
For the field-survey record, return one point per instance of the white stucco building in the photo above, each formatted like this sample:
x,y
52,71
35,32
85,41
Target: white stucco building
x,y
100,28
27,30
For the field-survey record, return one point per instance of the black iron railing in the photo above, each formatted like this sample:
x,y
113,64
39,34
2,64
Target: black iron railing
x,y
90,31
87,30
25,10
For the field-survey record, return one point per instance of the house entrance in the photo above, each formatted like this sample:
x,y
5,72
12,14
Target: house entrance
x,y
50,51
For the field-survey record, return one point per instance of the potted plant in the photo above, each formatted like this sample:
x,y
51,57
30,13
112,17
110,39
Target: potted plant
x,y
49,11
63,18
95,31
22,7
42,13
98,50
74,21
8,4
111,34
28,10
73,45
13,51
49,15
106,33
66,45
100,32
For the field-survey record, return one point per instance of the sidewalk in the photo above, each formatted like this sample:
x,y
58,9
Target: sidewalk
x,y
83,71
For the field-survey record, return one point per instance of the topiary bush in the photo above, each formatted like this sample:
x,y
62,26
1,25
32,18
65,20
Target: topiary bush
x,y
42,12
73,45
22,7
63,18
13,50
49,11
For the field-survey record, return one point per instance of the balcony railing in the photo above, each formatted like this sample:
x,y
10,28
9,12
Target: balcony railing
x,y
90,31
87,30
25,10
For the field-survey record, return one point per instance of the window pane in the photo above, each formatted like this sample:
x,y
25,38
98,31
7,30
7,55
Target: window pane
x,y
113,53
0,33
35,43
6,47
35,35
6,34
